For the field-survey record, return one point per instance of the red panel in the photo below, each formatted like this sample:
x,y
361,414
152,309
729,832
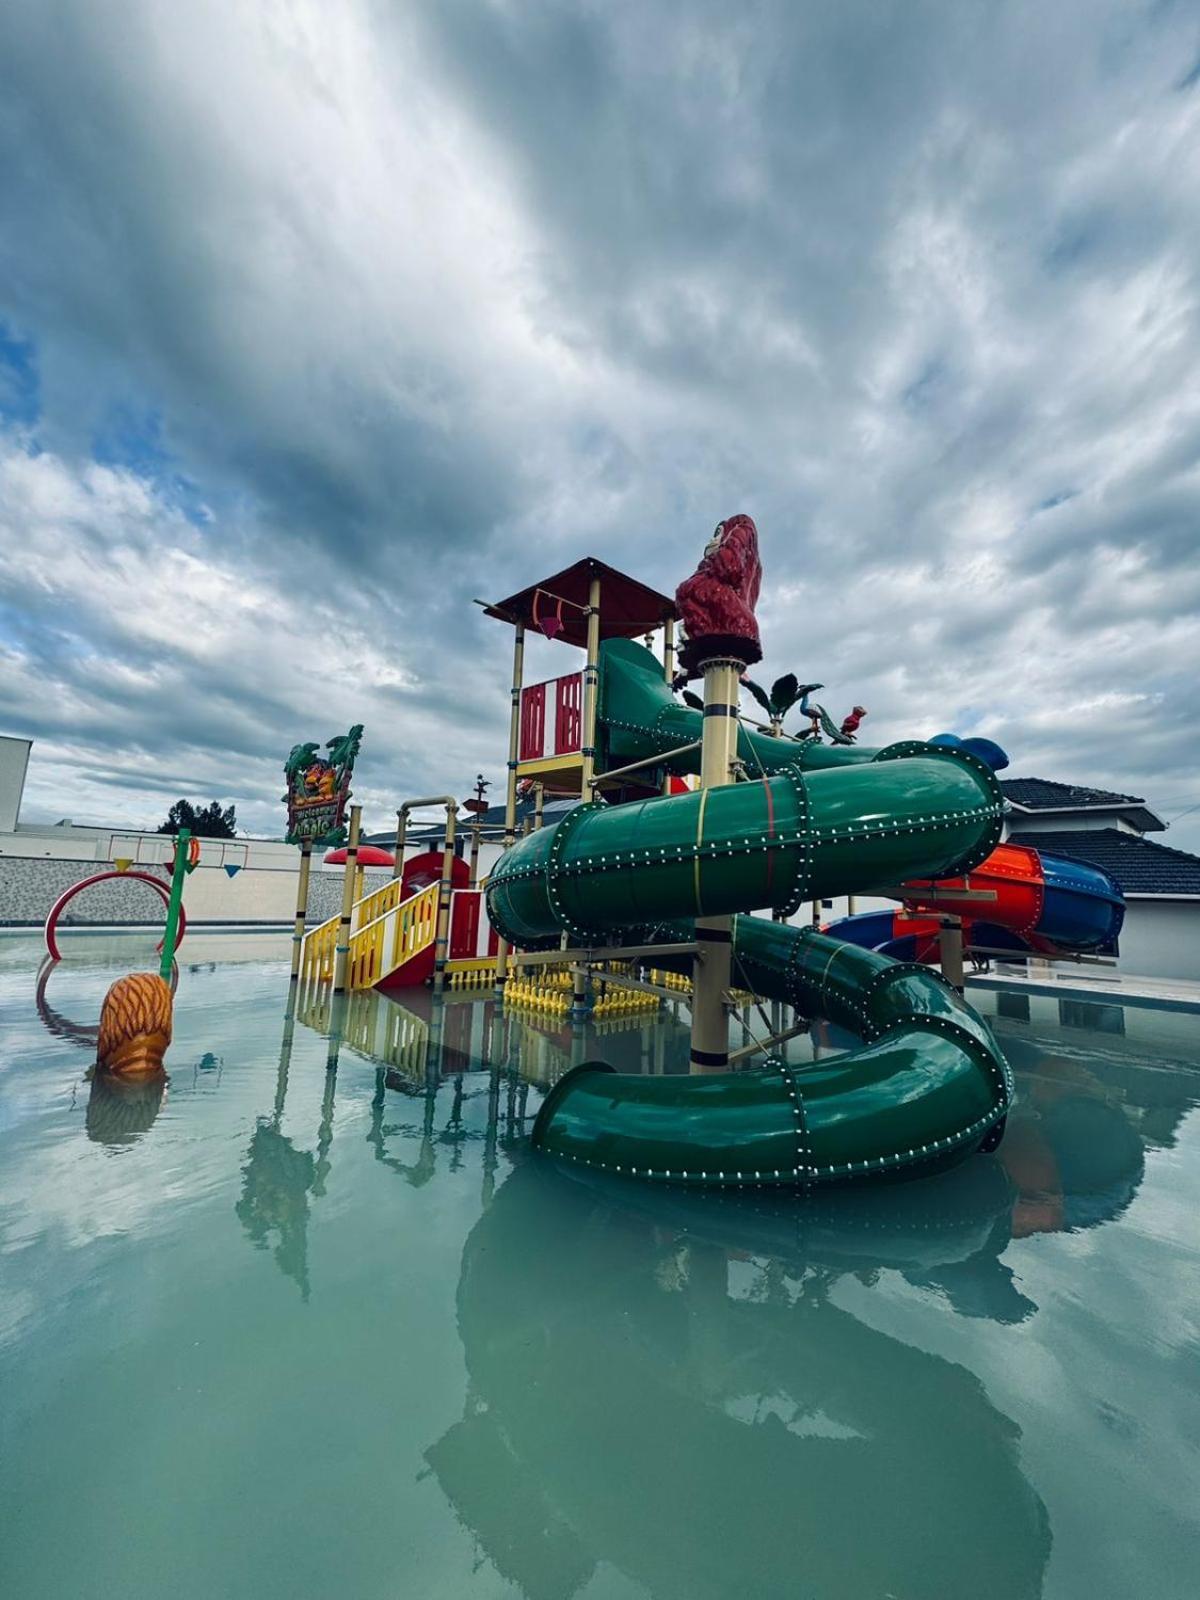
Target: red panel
x,y
411,974
568,714
420,871
464,924
533,722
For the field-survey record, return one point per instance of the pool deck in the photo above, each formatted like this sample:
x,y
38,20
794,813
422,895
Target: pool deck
x,y
1099,984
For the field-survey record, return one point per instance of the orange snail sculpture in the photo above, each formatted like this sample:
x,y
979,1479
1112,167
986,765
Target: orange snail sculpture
x,y
135,1026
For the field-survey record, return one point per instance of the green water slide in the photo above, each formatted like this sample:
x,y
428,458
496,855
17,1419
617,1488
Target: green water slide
x,y
928,1084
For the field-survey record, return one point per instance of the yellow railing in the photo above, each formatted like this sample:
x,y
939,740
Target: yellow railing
x,y
378,944
318,952
377,902
387,942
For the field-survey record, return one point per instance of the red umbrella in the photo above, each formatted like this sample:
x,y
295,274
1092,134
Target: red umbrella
x,y
369,855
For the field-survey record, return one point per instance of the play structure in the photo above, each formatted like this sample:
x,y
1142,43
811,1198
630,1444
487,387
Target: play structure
x,y
690,817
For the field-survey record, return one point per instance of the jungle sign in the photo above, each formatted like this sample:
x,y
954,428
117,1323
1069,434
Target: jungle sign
x,y
318,788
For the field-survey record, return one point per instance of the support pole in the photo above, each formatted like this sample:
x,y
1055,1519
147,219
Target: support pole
x,y
950,949
443,914
669,674
714,935
510,793
474,878
401,831
174,902
591,683
539,805
342,949
301,906
581,995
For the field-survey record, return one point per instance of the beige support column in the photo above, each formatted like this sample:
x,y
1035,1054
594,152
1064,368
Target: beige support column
x,y
950,948
591,681
714,935
401,831
539,805
443,916
668,673
510,793
301,906
342,949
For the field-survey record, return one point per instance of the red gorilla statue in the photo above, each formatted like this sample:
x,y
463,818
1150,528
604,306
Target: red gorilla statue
x,y
716,604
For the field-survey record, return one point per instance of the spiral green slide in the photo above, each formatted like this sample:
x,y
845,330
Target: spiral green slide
x,y
927,1086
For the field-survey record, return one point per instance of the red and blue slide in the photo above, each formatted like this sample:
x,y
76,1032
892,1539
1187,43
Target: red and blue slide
x,y
1041,904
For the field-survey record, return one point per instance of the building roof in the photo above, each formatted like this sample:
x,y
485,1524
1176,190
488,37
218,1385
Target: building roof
x,y
1044,794
1140,866
627,608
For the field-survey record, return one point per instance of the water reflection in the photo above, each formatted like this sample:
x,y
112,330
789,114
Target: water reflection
x,y
121,1110
278,1178
691,1359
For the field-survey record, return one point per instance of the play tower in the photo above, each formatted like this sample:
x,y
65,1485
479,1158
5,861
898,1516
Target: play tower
x,y
685,819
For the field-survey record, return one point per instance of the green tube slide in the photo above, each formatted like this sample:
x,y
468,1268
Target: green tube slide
x,y
928,1084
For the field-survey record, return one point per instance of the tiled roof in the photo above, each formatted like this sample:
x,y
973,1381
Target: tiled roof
x,y
1044,794
1139,865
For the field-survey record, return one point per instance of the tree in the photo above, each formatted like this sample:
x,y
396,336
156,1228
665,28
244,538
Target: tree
x,y
203,822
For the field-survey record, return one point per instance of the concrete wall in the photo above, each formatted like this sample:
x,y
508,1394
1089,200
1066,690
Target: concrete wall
x,y
1161,939
29,886
14,761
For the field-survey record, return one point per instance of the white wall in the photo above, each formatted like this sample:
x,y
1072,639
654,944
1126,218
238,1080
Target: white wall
x,y
1161,939
14,760
1020,822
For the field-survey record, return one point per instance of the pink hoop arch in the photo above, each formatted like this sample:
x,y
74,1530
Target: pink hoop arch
x,y
68,895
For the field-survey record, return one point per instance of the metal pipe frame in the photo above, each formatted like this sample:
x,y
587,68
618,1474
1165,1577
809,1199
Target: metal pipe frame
x,y
650,761
594,956
769,1043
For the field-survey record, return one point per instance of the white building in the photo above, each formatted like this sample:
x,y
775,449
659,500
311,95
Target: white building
x,y
1161,935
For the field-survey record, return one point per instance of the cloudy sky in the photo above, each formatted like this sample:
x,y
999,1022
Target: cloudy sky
x,y
317,321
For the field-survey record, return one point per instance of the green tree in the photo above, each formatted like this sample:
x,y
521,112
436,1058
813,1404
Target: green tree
x,y
204,822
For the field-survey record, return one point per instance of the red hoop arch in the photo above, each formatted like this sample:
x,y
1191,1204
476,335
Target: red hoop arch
x,y
68,895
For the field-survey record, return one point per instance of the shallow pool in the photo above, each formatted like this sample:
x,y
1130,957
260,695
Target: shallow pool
x,y
287,1331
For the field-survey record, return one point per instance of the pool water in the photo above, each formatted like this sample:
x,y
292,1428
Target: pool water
x,y
287,1331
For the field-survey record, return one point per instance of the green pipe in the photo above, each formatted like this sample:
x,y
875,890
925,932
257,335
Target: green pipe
x,y
927,1086
640,717
909,811
174,901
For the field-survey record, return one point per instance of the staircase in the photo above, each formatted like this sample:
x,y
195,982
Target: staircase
x,y
387,936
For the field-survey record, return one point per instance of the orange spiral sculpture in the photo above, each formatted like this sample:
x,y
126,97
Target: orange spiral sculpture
x,y
135,1026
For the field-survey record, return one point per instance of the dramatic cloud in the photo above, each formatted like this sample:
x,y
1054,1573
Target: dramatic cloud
x,y
316,322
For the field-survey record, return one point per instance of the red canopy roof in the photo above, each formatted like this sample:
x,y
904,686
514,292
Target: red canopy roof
x,y
369,855
627,608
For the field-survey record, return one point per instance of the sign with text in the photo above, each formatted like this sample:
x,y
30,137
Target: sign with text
x,y
318,788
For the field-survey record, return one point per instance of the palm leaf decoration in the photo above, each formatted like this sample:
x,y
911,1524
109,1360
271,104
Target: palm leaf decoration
x,y
760,694
785,691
